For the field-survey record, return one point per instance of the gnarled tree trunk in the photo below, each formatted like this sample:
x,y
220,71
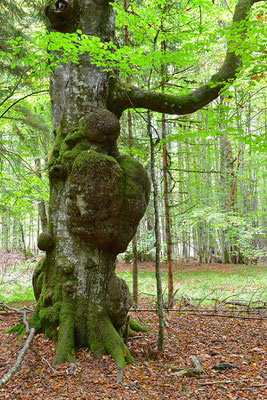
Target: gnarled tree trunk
x,y
97,198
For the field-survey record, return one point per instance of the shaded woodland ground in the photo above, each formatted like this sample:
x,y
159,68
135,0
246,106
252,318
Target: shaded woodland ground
x,y
238,342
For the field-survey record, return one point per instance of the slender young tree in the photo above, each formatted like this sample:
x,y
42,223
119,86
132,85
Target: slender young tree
x,y
134,239
97,196
130,132
166,191
157,235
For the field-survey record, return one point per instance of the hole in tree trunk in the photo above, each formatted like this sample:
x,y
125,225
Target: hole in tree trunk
x,y
60,5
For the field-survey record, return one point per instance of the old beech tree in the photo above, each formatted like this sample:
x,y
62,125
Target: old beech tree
x,y
97,196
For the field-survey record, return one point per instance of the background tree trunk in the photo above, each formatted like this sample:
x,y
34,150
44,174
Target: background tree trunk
x,y
157,237
130,132
166,190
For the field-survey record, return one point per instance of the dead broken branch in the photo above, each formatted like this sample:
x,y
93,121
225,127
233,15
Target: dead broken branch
x,y
207,313
220,382
196,370
21,355
224,308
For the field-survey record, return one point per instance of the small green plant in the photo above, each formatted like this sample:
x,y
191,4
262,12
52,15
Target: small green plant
x,y
18,328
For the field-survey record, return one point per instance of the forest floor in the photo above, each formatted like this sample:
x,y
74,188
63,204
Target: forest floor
x,y
239,343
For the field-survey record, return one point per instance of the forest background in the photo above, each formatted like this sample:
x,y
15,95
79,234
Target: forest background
x,y
210,166
210,170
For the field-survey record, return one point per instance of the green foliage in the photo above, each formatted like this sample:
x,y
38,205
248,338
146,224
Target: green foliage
x,y
15,282
25,121
243,283
24,144
148,23
16,293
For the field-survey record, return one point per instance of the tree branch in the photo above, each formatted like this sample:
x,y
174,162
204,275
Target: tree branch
x,y
121,99
22,98
21,355
22,311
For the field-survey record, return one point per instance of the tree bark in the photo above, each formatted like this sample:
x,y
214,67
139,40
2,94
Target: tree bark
x,y
166,190
41,205
228,192
167,215
134,240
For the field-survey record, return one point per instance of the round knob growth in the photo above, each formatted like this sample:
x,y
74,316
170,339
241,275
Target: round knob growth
x,y
45,241
101,126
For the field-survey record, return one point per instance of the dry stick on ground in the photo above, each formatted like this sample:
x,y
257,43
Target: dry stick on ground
x,y
203,313
219,382
259,385
196,370
21,355
48,363
19,360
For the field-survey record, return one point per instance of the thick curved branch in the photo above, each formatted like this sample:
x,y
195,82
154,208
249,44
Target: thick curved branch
x,y
133,97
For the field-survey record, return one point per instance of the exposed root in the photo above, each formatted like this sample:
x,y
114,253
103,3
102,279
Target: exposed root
x,y
65,346
191,372
104,339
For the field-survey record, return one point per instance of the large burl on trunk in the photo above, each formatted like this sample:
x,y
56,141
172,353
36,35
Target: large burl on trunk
x,y
97,198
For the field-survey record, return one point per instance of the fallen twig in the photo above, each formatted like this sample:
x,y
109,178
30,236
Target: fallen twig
x,y
48,363
219,382
27,328
19,360
264,385
205,313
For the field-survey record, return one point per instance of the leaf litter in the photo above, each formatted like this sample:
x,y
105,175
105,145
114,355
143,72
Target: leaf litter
x,y
214,341
238,345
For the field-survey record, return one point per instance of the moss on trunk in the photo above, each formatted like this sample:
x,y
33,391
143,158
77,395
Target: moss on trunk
x,y
73,320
